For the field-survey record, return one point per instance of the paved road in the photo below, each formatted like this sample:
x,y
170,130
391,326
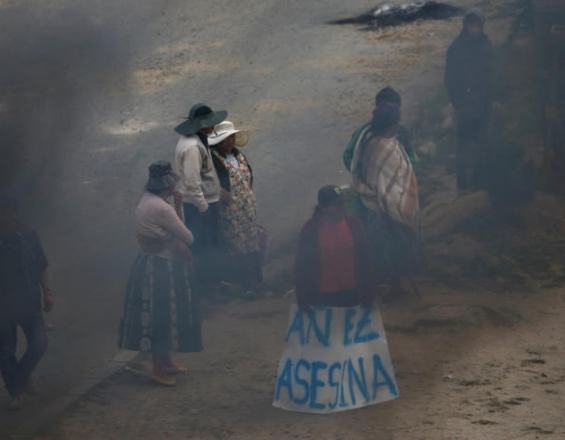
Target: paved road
x,y
298,84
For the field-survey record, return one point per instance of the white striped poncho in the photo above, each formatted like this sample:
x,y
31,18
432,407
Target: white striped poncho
x,y
385,179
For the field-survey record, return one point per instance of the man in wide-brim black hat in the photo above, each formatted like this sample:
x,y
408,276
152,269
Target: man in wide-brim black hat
x,y
199,183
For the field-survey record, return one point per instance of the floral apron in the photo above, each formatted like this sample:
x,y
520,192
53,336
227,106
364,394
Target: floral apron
x,y
238,217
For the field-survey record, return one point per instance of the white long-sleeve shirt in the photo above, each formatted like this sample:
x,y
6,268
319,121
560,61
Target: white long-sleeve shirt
x,y
199,183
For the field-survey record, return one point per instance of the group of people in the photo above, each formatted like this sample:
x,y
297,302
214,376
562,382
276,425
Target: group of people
x,y
197,226
346,255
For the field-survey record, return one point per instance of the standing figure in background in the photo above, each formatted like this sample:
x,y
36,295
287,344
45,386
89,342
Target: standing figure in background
x,y
201,192
333,263
385,180
385,96
161,313
24,295
469,83
238,209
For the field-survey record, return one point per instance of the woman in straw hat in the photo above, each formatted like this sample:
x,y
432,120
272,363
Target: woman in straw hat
x,y
238,212
160,312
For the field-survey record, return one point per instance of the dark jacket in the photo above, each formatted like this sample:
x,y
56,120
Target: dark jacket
x,y
223,173
469,72
307,263
22,261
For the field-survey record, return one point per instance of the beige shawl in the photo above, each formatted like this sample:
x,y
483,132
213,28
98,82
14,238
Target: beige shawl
x,y
385,179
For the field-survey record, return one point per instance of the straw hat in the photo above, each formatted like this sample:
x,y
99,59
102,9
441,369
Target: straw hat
x,y
161,176
226,129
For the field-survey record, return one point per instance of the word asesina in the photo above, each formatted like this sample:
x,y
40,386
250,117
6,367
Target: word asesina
x,y
335,364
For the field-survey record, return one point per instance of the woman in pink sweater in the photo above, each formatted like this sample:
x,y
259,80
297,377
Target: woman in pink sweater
x,y
161,312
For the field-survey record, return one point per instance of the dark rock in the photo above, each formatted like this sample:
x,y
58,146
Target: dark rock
x,y
389,14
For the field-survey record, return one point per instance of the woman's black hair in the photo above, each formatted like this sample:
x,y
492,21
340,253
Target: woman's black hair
x,y
216,147
158,192
386,116
388,95
329,195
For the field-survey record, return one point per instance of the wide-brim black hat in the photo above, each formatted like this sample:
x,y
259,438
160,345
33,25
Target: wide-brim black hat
x,y
200,116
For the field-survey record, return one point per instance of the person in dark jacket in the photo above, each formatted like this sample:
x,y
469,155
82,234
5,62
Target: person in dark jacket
x,y
24,295
468,79
333,264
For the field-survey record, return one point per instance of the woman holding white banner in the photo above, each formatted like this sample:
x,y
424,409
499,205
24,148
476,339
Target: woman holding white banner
x,y
333,264
336,354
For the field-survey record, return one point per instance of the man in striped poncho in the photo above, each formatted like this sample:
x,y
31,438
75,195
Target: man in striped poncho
x,y
385,180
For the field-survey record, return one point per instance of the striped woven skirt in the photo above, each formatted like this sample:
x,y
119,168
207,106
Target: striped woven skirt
x,y
161,312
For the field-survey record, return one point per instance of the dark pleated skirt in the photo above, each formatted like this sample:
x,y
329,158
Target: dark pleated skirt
x,y
397,248
161,312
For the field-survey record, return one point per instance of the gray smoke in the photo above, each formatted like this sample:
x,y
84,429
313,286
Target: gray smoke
x,y
54,62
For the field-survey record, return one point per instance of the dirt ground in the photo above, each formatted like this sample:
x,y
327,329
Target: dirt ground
x,y
479,355
469,365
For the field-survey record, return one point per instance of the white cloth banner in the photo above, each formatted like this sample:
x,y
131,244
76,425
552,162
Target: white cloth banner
x,y
336,359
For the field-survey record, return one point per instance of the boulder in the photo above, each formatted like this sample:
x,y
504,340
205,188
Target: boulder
x,y
440,218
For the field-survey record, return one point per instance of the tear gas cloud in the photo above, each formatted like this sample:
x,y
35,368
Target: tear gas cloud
x,y
55,61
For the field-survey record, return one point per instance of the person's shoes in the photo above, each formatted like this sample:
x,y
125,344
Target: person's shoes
x,y
250,295
30,388
176,369
462,192
229,290
400,290
219,300
16,404
163,379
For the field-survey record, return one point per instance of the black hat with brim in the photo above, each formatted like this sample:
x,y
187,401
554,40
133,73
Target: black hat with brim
x,y
162,183
200,116
161,177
